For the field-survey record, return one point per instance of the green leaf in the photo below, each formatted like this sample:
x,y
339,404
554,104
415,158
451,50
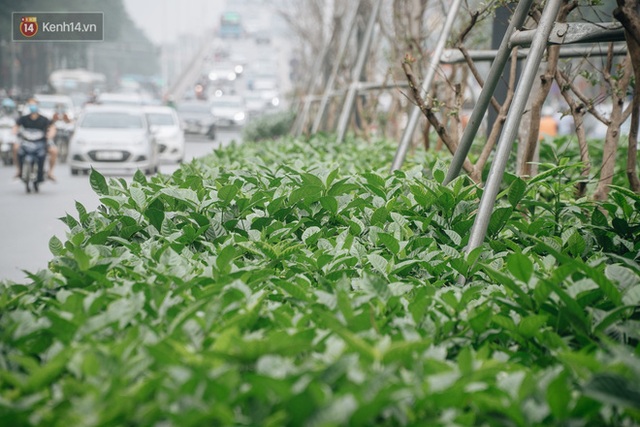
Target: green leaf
x,y
439,171
517,191
227,193
341,187
389,242
522,297
156,217
576,244
98,183
597,276
559,396
47,373
225,257
55,246
306,193
405,350
139,177
374,179
378,263
598,218
138,197
531,325
520,266
498,220
379,216
330,203
614,389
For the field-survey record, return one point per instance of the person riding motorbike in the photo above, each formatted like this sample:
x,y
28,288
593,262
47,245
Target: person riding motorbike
x,y
8,116
40,128
8,108
60,114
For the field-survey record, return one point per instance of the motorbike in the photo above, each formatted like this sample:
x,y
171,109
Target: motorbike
x,y
32,155
63,135
6,139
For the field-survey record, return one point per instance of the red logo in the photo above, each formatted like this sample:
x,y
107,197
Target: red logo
x,y
28,26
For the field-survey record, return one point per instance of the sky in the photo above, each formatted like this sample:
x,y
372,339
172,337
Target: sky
x,y
164,20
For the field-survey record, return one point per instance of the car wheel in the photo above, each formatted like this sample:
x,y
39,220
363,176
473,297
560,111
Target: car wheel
x,y
74,171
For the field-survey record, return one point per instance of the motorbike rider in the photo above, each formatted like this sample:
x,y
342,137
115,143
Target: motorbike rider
x,y
39,125
61,114
8,108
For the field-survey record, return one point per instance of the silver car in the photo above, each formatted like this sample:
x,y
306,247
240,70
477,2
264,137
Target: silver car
x,y
112,138
229,110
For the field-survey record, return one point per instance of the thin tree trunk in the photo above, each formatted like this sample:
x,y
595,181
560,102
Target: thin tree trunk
x,y
577,112
628,14
536,111
553,53
613,131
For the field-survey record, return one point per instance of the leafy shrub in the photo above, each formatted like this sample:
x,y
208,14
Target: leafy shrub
x,y
297,283
269,126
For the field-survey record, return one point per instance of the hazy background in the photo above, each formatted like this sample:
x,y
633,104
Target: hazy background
x,y
164,20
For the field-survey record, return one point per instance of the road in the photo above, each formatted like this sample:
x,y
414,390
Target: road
x,y
28,221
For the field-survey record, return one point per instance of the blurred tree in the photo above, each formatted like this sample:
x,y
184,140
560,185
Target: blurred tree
x,y
125,48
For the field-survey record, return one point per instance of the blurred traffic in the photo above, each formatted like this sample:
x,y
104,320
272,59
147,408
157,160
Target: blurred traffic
x,y
120,122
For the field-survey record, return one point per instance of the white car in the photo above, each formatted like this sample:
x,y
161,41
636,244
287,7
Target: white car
x,y
169,135
48,103
229,110
109,98
113,138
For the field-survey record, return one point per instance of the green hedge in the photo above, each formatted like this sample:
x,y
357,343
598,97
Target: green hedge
x,y
298,283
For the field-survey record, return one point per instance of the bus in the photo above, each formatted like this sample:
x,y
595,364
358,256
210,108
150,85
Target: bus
x,y
230,25
78,83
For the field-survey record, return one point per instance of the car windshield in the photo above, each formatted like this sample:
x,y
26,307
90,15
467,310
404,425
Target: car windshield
x,y
227,103
161,119
113,120
51,104
193,108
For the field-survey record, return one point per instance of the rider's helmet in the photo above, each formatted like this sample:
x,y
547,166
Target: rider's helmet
x,y
8,106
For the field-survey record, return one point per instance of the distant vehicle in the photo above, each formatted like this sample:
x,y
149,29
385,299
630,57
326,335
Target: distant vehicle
x,y
78,80
48,103
196,117
255,104
262,37
230,25
165,126
113,98
223,73
229,110
113,138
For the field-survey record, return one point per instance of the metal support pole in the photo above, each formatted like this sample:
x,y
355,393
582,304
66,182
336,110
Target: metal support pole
x,y
336,68
403,147
497,68
511,125
451,56
347,107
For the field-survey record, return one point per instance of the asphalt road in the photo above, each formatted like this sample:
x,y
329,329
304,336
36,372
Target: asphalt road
x,y
28,221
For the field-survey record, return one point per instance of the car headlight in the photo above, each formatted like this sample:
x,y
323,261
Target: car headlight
x,y
213,76
239,69
231,76
238,117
